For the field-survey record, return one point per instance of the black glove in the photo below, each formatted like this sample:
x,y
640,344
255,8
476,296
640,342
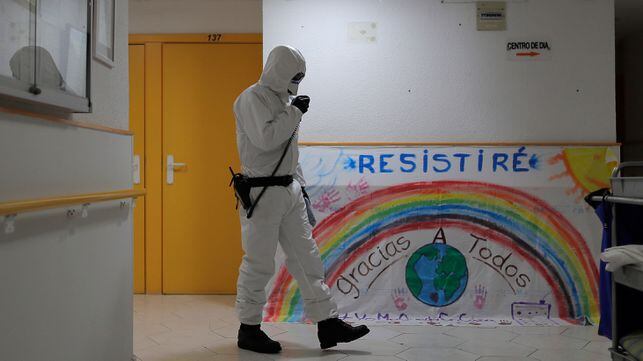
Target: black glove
x,y
302,102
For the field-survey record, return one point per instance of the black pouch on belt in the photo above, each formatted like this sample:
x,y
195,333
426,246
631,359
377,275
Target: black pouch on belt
x,y
241,185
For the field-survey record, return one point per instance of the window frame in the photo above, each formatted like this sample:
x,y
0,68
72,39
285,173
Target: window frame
x,y
27,93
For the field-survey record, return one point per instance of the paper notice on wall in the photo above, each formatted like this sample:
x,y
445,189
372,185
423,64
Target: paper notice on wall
x,y
491,15
521,50
362,32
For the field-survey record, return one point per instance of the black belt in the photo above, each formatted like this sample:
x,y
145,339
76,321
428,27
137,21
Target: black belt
x,y
282,181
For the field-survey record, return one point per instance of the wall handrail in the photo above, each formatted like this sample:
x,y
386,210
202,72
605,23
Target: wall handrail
x,y
63,121
31,205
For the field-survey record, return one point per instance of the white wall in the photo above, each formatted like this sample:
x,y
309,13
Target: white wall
x,y
430,76
195,16
66,282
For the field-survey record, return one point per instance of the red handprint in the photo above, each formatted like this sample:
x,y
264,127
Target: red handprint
x,y
326,200
480,294
400,297
358,189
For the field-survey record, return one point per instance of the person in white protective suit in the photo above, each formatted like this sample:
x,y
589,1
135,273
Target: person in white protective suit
x,y
267,118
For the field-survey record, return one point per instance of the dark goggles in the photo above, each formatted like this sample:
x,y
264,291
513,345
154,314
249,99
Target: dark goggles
x,y
298,78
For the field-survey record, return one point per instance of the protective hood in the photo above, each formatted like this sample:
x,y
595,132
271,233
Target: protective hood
x,y
284,62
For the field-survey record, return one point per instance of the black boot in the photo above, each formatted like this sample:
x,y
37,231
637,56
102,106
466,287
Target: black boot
x,y
334,330
252,338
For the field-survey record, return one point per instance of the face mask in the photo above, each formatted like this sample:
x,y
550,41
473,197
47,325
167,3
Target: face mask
x,y
293,87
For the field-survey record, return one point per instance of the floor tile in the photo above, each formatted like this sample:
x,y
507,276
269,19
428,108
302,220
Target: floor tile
x,y
297,327
496,348
599,347
380,333
226,346
231,331
245,357
291,353
186,338
427,340
371,358
188,313
291,350
550,341
480,333
142,342
202,325
274,330
301,339
589,333
535,330
416,329
501,358
436,354
305,338
149,328
175,353
217,323
155,315
568,355
373,347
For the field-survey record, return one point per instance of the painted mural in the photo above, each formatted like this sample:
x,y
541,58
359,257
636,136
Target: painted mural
x,y
454,235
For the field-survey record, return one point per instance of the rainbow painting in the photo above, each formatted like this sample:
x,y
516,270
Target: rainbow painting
x,y
535,231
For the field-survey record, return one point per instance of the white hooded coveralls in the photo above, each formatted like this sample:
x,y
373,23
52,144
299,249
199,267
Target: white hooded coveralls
x,y
265,122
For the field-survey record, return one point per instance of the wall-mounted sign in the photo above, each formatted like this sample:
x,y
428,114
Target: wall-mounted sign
x,y
491,15
362,32
528,50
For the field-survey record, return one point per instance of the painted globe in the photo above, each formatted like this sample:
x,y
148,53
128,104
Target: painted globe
x,y
437,274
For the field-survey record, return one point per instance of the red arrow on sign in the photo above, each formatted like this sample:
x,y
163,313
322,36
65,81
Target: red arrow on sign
x,y
532,54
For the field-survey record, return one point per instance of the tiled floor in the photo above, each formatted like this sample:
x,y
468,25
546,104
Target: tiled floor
x,y
203,328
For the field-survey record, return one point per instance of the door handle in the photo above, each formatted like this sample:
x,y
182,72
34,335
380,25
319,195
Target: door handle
x,y
171,167
136,169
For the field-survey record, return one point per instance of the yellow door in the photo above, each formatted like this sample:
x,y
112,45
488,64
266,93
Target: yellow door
x,y
201,235
137,126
